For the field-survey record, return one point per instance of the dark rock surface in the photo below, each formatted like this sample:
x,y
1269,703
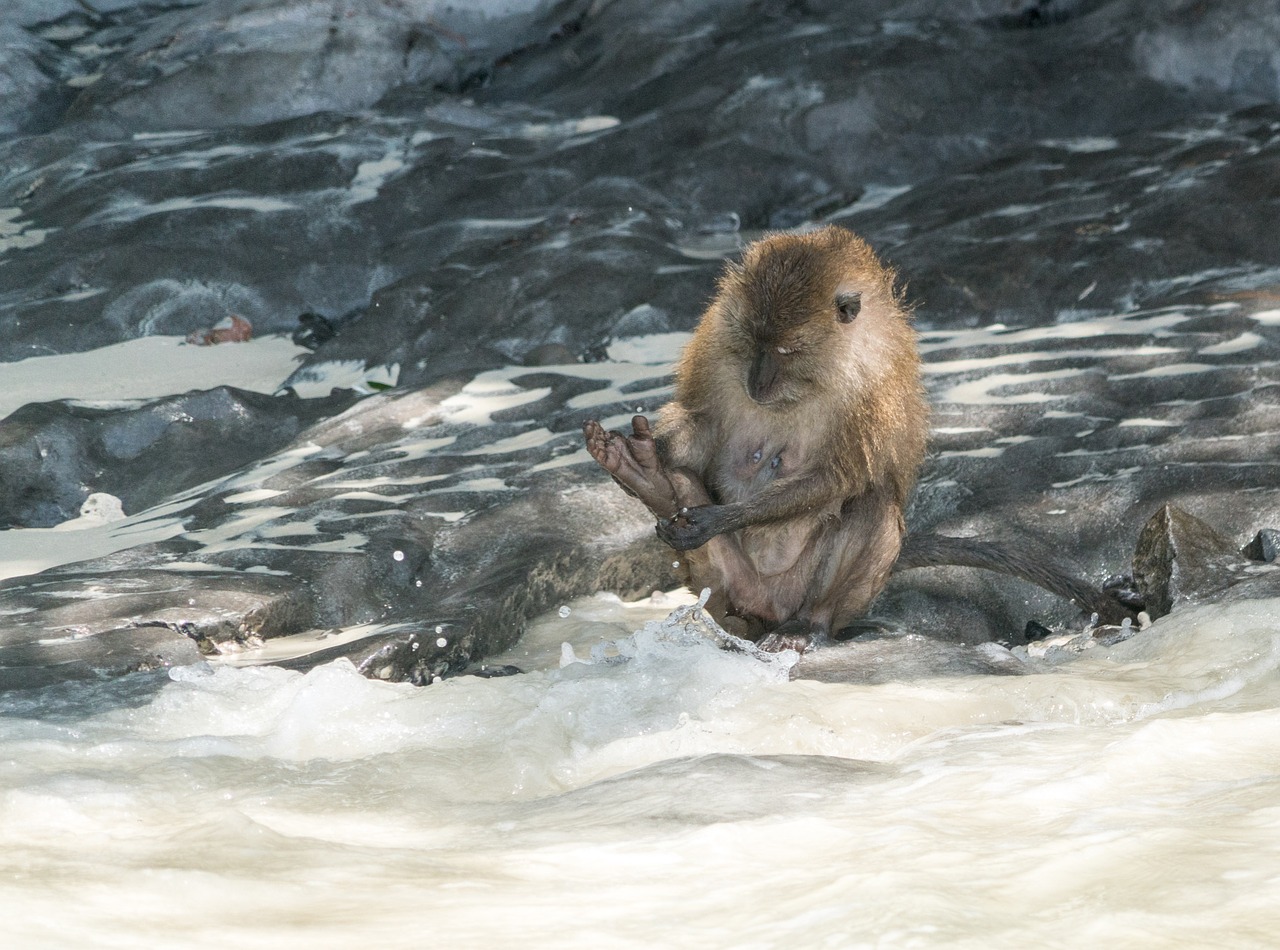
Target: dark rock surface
x,y
504,201
1180,557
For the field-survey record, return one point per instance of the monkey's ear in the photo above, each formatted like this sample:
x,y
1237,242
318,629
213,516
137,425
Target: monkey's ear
x,y
848,303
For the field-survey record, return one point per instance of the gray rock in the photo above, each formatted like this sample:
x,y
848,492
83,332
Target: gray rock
x,y
1180,558
1265,546
54,455
1079,196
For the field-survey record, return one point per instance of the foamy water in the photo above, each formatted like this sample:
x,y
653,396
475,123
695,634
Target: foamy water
x,y
668,792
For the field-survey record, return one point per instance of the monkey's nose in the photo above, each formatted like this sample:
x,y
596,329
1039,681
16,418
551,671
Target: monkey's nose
x,y
763,376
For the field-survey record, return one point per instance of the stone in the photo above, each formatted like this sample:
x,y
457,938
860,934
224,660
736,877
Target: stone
x,y
510,213
1264,546
1179,558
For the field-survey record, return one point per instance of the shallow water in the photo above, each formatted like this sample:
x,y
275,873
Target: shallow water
x,y
667,792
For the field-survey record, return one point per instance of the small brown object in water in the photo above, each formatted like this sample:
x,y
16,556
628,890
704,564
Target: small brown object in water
x,y
234,329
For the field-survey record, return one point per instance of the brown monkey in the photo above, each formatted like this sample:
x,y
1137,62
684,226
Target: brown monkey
x,y
783,464
799,422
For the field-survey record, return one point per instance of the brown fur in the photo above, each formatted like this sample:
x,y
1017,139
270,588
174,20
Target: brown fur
x,y
785,459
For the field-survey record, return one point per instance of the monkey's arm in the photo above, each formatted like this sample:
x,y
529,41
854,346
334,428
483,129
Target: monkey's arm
x,y
789,497
1015,559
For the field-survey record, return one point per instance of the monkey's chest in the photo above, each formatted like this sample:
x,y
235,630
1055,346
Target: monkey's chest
x,y
751,461
749,465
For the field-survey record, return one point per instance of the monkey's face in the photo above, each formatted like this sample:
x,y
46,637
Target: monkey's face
x,y
787,360
793,317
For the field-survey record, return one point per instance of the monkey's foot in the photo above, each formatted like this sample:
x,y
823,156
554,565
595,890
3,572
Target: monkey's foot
x,y
633,462
795,634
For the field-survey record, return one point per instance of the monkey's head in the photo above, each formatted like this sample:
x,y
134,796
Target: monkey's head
x,y
810,314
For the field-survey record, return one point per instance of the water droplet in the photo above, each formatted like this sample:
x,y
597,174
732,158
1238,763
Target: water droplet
x,y
675,564
397,555
434,680
442,642
439,628
417,583
564,612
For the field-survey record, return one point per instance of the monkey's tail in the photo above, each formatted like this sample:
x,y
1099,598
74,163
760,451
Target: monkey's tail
x,y
1013,559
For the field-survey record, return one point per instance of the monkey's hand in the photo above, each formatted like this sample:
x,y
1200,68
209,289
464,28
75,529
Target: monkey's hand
x,y
692,527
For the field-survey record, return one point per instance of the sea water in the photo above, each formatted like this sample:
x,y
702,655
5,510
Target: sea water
x,y
638,785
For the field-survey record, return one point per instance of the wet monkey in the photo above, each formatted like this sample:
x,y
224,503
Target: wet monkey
x,y
782,466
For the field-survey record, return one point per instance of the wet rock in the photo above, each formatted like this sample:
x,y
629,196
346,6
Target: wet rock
x,y
1180,557
1036,631
1264,546
52,630
54,455
23,83
234,62
499,200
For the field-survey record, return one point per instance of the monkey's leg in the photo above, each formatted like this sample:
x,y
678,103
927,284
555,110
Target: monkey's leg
x,y
634,464
738,589
845,567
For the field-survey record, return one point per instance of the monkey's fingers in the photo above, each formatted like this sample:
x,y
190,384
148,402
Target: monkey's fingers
x,y
681,532
599,446
640,428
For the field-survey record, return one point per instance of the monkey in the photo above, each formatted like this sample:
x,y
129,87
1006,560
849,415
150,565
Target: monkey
x,y
783,464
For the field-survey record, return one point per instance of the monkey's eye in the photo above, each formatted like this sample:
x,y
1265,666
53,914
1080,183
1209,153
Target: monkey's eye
x,y
847,305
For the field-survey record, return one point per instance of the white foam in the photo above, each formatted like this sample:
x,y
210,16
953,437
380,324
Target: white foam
x,y
1084,144
319,379
620,786
873,196
589,125
371,176
1173,369
137,210
1149,423
992,389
